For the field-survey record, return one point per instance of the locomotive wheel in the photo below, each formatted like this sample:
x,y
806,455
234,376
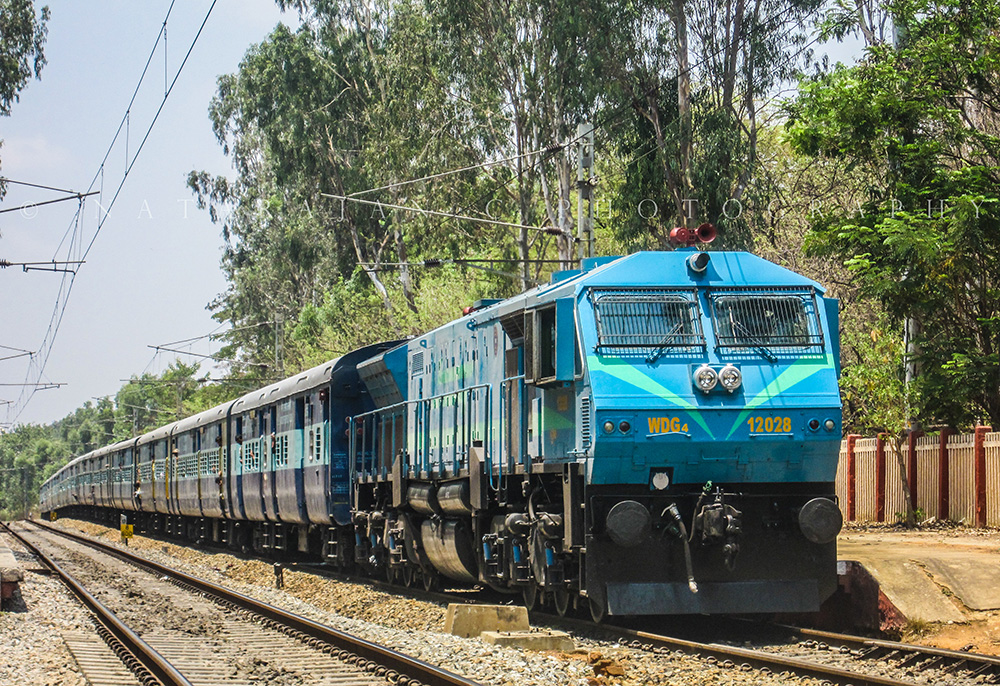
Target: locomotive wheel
x,y
409,575
430,581
560,597
390,573
598,610
529,594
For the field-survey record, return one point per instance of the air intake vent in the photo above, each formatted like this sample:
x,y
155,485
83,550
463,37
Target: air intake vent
x,y
585,434
513,325
417,364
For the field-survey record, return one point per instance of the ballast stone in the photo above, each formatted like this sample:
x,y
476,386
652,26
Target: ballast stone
x,y
469,621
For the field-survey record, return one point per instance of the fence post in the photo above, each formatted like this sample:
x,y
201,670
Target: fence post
x,y
980,453
852,481
943,472
880,478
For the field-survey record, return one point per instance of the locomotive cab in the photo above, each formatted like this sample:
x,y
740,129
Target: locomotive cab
x,y
718,428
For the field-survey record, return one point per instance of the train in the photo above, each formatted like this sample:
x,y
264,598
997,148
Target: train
x,y
653,434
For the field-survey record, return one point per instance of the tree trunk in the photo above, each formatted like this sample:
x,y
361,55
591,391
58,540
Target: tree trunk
x,y
896,446
683,103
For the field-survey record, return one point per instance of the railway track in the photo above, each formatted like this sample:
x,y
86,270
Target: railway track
x,y
830,657
188,632
839,659
758,647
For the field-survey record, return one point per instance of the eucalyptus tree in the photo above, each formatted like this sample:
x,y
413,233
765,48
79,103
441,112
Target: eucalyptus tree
x,y
354,103
690,85
527,69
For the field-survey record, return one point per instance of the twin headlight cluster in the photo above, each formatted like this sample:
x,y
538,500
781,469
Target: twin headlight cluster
x,y
706,378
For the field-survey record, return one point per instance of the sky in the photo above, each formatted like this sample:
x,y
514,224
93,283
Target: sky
x,y
154,266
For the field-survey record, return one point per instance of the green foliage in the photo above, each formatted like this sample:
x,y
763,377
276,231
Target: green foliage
x,y
919,119
871,385
697,77
22,39
366,95
22,42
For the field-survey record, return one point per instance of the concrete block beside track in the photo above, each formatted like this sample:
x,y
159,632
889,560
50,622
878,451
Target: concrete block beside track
x,y
10,573
469,621
531,640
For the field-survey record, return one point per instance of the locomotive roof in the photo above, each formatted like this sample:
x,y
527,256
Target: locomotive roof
x,y
649,269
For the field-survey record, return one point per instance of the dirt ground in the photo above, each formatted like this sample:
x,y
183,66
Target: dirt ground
x,y
981,631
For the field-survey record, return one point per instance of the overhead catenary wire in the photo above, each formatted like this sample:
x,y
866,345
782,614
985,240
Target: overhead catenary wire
x,y
160,348
383,266
216,332
449,215
66,286
451,172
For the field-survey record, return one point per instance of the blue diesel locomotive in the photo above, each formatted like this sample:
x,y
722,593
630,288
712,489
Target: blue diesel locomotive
x,y
652,434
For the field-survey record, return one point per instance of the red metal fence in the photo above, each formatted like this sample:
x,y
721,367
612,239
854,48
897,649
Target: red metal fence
x,y
951,476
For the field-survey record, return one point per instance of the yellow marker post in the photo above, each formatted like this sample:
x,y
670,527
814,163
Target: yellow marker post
x,y
126,530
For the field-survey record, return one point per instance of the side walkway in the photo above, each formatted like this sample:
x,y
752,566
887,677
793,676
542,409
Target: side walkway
x,y
929,576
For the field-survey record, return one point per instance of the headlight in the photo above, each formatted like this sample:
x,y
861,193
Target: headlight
x,y
730,378
705,378
659,480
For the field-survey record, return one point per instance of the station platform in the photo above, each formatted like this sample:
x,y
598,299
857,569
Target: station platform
x,y
920,576
10,573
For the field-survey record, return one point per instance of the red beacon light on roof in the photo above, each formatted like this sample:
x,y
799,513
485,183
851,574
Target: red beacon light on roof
x,y
682,235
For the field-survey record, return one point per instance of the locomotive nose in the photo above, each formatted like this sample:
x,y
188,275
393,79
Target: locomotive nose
x,y
820,520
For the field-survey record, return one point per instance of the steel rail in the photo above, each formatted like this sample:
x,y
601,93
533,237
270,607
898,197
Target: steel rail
x,y
152,667
731,656
978,663
415,671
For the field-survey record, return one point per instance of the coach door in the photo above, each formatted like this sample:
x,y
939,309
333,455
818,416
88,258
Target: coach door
x,y
234,469
269,462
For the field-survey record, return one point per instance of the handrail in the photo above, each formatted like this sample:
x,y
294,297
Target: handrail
x,y
419,403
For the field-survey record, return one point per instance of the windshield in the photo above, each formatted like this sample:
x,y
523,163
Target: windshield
x,y
765,319
647,319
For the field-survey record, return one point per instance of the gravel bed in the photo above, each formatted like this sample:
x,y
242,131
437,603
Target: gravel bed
x,y
33,652
416,628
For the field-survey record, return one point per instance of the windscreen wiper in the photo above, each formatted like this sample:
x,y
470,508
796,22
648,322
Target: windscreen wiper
x,y
759,347
662,346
